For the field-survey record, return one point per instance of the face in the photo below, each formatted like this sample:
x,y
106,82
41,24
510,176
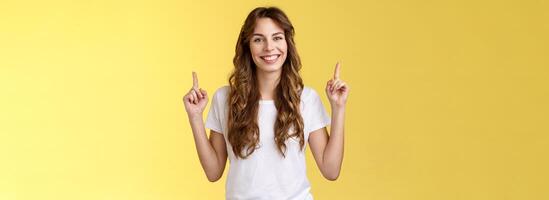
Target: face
x,y
268,45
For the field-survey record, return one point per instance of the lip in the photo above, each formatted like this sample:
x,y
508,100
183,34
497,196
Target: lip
x,y
270,61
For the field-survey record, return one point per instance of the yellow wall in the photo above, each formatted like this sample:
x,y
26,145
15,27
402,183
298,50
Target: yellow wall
x,y
449,99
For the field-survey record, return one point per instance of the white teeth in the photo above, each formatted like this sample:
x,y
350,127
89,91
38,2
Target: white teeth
x,y
270,58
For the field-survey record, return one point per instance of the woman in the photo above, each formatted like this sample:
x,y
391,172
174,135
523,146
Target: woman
x,y
263,119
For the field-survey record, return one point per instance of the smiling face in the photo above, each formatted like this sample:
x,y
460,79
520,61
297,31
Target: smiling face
x,y
268,45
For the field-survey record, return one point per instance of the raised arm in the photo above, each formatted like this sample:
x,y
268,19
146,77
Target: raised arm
x,y
328,149
212,152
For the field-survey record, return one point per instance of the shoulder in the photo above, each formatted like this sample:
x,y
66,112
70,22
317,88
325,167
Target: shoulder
x,y
222,91
308,94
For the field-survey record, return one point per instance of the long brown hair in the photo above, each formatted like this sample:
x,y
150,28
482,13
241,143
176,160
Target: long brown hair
x,y
244,93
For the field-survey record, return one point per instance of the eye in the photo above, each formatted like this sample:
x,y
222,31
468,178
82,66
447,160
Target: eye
x,y
278,38
257,40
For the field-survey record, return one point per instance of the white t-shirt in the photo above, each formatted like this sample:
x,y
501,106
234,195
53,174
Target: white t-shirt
x,y
265,174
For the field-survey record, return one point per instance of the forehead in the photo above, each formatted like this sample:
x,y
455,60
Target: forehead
x,y
266,26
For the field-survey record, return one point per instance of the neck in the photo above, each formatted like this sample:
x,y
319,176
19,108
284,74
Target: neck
x,y
267,82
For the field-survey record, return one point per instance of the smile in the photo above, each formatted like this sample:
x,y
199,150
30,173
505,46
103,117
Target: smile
x,y
270,58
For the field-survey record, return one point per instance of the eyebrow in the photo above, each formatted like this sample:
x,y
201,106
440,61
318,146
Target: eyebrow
x,y
257,34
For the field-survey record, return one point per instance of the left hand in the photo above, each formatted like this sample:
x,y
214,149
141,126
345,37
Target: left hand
x,y
337,90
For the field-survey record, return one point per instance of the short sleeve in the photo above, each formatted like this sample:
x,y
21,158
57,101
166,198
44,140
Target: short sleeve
x,y
315,114
213,120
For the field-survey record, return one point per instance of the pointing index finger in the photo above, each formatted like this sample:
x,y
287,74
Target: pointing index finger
x,y
195,80
336,71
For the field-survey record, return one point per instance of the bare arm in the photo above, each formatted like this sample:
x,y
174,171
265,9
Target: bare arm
x,y
212,152
328,149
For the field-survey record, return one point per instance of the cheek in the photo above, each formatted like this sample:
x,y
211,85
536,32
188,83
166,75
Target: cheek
x,y
255,50
284,48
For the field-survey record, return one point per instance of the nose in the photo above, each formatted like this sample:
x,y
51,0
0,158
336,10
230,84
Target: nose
x,y
269,46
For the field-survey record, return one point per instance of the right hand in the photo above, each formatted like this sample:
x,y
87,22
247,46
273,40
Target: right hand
x,y
196,99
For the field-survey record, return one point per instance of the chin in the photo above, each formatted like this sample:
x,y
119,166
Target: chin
x,y
270,68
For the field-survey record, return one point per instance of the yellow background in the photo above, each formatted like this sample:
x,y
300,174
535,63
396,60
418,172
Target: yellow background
x,y
449,99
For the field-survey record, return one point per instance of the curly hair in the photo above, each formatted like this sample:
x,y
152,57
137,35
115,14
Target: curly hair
x,y
244,95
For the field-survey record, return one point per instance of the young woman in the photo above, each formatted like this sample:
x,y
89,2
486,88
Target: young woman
x,y
263,119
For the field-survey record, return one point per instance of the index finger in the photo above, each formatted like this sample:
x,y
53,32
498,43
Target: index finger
x,y
336,71
195,80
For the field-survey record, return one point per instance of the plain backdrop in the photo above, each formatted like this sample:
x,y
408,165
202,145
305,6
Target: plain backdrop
x,y
449,99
